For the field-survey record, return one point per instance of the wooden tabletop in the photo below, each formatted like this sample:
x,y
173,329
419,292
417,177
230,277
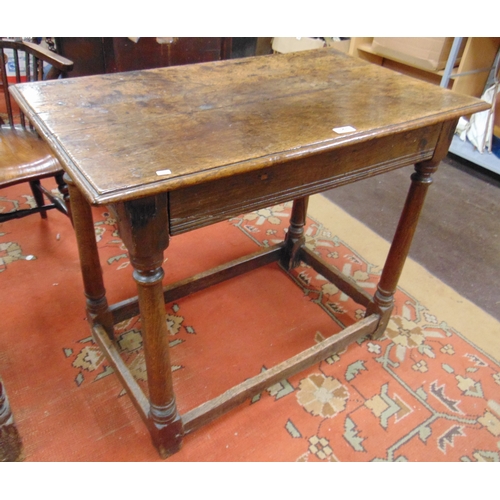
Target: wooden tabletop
x,y
127,135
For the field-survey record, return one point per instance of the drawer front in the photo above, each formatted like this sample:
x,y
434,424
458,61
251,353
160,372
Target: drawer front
x,y
204,204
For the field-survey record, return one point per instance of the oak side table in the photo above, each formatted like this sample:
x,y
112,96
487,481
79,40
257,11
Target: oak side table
x,y
174,149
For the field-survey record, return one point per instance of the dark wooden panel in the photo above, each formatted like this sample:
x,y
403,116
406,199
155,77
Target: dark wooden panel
x,y
147,53
99,55
86,53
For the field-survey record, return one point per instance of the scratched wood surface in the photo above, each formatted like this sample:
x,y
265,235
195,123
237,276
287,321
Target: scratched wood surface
x,y
114,133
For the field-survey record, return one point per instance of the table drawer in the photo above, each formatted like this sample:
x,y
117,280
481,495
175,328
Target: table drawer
x,y
197,206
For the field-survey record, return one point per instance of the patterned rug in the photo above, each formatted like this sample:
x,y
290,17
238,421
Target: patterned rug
x,y
424,392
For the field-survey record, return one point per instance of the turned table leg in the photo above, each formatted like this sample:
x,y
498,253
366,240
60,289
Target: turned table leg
x,y
143,226
97,306
421,179
62,186
383,303
295,236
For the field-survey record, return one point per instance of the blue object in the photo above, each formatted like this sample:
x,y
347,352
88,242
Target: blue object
x,y
495,146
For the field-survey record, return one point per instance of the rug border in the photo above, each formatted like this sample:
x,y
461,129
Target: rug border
x,y
476,325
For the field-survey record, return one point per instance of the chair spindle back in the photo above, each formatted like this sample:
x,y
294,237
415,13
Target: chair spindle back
x,y
12,54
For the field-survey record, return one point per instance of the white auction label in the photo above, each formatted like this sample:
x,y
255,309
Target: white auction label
x,y
344,130
163,172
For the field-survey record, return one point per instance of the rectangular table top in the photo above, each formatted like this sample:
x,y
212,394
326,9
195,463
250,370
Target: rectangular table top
x,y
127,135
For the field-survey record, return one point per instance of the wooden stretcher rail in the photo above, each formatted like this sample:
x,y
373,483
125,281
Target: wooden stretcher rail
x,y
140,401
334,276
130,307
214,408
233,397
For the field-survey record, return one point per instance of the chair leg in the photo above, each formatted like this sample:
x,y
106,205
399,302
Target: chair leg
x,y
63,189
38,195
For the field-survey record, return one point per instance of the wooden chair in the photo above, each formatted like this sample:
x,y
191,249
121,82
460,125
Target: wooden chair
x,y
24,157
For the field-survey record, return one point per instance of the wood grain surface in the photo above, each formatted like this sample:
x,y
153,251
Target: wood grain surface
x,y
201,122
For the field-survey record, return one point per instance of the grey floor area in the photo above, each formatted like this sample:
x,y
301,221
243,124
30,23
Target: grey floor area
x,y
458,237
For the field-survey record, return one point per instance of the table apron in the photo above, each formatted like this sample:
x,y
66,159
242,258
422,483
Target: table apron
x,y
203,204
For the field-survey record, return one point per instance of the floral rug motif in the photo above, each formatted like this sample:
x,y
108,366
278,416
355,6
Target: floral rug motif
x,y
421,393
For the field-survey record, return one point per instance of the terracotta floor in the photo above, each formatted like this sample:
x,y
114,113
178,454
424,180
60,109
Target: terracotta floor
x,y
458,237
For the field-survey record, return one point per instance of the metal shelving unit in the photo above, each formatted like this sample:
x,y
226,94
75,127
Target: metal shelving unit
x,y
465,149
